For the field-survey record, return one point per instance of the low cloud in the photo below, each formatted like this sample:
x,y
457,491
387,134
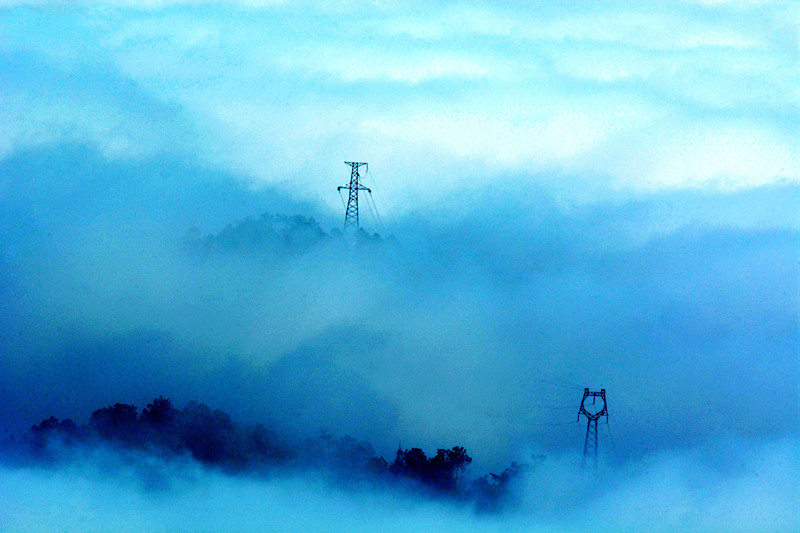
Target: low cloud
x,y
567,204
479,328
739,486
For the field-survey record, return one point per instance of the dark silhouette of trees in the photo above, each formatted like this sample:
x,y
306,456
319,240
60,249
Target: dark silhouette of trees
x,y
118,422
66,431
159,423
211,437
443,472
270,235
262,446
267,234
206,434
160,413
491,492
346,457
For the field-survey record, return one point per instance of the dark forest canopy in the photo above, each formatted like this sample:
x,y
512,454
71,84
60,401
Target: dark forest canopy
x,y
212,438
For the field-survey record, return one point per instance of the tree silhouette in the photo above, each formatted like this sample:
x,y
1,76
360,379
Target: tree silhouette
x,y
443,472
116,423
212,438
159,423
160,413
206,433
40,435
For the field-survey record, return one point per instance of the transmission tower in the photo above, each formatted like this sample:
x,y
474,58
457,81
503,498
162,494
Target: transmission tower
x,y
592,413
351,214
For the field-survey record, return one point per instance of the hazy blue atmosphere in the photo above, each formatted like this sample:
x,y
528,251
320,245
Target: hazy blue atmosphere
x,y
569,195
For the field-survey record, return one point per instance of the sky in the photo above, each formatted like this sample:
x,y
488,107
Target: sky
x,y
587,99
580,195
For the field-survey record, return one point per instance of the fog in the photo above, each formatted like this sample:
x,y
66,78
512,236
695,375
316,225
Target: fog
x,y
477,325
673,491
564,196
483,327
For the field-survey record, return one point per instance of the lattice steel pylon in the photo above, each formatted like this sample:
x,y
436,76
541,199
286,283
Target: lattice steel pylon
x,y
351,214
592,414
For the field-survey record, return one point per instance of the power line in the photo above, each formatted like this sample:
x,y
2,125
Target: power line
x,y
552,406
378,220
553,424
573,387
373,210
376,192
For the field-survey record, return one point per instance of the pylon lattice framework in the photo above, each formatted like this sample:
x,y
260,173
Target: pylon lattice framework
x,y
592,415
351,214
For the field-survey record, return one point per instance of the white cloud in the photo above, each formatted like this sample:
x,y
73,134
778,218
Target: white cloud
x,y
140,5
276,93
681,491
703,155
354,64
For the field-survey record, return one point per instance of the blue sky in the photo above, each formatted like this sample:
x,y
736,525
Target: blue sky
x,y
588,100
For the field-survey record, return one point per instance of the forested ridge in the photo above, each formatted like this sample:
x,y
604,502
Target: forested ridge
x,y
271,234
215,440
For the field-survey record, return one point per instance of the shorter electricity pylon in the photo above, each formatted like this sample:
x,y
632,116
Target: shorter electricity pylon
x,y
592,414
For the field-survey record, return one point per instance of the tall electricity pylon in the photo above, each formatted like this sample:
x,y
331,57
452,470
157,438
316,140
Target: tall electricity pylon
x,y
351,214
592,414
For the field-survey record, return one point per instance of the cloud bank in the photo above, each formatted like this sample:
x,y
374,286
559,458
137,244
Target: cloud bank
x,y
580,196
438,97
483,326
672,492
